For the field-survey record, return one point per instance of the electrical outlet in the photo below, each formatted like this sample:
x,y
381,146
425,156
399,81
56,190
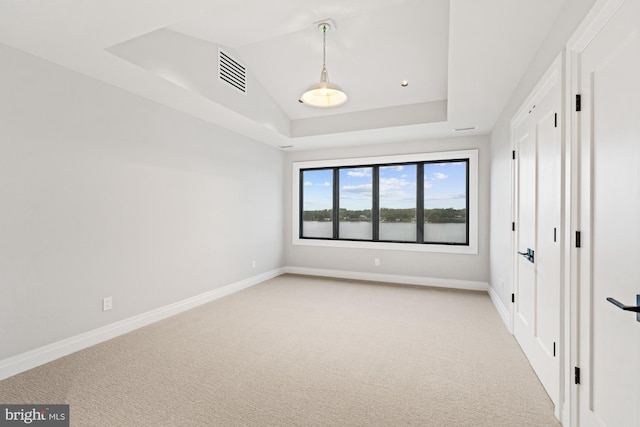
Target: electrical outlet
x,y
107,303
253,263
377,262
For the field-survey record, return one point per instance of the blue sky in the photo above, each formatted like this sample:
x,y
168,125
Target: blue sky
x,y
445,187
355,188
318,189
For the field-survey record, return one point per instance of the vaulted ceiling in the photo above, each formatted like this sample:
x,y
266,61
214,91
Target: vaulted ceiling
x,y
462,60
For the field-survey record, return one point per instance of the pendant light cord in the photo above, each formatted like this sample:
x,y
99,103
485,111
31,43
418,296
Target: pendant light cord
x,y
324,47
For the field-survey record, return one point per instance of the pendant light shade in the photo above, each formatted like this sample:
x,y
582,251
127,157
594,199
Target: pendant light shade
x,y
324,94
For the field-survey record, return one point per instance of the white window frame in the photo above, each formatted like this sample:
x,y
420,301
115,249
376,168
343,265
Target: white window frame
x,y
471,248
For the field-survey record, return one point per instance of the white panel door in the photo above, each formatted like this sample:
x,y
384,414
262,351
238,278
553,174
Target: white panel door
x,y
537,285
609,257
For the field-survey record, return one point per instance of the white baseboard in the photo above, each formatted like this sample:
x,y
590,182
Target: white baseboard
x,y
391,278
31,359
504,313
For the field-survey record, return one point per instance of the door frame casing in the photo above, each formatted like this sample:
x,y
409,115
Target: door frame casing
x,y
539,91
595,20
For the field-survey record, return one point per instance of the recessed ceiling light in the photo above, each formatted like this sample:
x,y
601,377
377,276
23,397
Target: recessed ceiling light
x,y
404,83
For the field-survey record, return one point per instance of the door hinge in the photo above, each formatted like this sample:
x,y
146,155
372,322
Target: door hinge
x,y
554,349
578,242
513,154
578,103
513,297
576,375
513,226
555,120
555,234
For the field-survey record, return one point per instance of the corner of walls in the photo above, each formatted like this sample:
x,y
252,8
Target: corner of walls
x,y
503,312
501,214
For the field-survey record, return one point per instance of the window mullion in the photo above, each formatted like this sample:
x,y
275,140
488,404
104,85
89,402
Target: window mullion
x,y
336,203
467,164
420,202
375,208
301,205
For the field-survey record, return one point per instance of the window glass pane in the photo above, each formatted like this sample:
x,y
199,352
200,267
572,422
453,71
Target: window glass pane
x,y
356,197
398,203
317,203
445,202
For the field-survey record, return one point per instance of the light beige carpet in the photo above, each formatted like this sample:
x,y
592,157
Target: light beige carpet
x,y
300,351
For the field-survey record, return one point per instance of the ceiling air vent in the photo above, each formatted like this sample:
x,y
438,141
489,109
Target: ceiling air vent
x,y
231,71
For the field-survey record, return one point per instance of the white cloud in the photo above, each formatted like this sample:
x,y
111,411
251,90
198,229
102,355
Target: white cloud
x,y
356,197
452,196
395,194
439,175
326,184
308,183
427,184
397,168
392,183
392,187
359,173
359,189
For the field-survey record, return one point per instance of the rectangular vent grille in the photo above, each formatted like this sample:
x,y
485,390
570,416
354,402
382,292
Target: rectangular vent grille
x,y
232,72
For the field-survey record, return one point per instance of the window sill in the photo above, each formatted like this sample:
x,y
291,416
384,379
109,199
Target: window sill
x,y
410,247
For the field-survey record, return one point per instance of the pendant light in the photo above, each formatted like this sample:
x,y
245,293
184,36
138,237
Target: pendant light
x,y
324,94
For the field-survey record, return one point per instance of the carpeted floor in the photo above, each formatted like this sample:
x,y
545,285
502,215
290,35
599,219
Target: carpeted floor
x,y
302,351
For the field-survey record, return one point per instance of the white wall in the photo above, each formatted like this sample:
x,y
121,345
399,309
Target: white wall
x,y
570,16
397,263
103,193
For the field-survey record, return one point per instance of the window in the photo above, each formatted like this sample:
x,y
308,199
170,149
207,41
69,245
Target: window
x,y
356,203
445,202
425,202
317,210
397,195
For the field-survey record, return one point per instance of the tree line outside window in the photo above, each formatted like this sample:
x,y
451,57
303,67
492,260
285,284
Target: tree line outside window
x,y
418,202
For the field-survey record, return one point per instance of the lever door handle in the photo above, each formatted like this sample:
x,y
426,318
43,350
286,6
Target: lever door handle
x,y
635,309
631,308
528,255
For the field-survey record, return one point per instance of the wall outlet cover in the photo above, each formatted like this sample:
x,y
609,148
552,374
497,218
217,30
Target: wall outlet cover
x,y
107,303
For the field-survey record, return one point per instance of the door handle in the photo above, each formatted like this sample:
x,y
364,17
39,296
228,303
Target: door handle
x,y
528,255
633,309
